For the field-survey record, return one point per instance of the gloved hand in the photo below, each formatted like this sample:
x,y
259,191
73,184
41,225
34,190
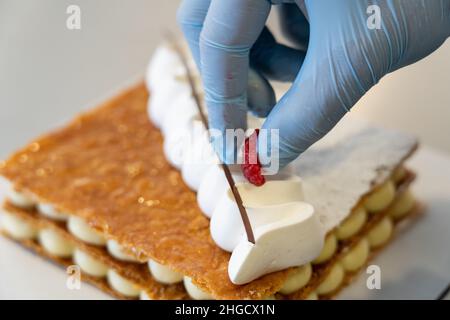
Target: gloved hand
x,y
338,59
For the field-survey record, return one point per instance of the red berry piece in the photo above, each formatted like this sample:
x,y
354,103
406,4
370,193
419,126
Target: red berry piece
x,y
251,168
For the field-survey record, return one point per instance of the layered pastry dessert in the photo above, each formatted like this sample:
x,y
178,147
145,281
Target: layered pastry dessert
x,y
113,193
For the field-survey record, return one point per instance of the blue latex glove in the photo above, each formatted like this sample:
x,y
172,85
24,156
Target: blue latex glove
x,y
338,58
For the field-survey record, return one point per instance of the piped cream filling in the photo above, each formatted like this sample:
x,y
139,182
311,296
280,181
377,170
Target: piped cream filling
x,y
194,291
89,264
80,229
116,250
329,248
50,212
332,281
381,233
20,199
403,205
381,198
297,279
356,257
122,285
164,274
352,225
18,228
55,244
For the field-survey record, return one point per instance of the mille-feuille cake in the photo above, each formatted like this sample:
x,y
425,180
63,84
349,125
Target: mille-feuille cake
x,y
106,194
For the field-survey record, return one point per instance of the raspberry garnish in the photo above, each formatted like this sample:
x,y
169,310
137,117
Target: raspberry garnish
x,y
250,169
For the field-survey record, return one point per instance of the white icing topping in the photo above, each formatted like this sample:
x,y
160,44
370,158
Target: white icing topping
x,y
16,227
293,237
213,185
55,244
89,264
265,205
50,212
344,165
198,159
116,250
287,231
163,98
164,64
162,79
194,291
164,274
122,285
173,148
80,229
174,120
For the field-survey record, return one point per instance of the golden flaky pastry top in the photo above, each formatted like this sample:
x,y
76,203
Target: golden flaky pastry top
x,y
108,167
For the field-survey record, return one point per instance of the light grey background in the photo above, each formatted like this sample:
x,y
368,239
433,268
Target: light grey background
x,y
49,73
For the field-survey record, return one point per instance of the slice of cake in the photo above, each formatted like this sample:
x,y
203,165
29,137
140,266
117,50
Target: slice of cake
x,y
100,193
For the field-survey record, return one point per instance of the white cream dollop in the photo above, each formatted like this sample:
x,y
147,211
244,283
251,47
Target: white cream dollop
x,y
292,239
165,64
173,119
261,204
287,231
164,97
166,80
214,184
198,156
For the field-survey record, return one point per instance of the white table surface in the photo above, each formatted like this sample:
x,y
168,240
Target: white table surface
x,y
416,265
